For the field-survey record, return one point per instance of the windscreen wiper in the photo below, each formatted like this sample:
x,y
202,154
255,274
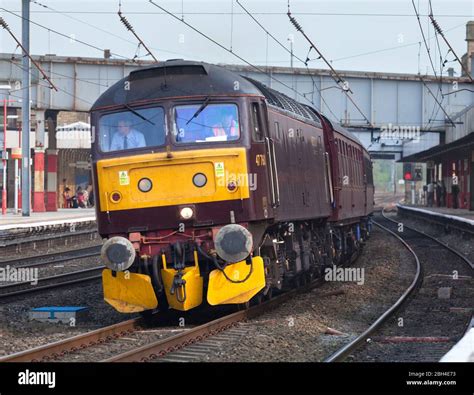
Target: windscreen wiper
x,y
138,114
200,109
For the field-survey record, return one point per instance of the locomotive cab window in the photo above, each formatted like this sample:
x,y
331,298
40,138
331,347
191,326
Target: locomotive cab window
x,y
277,131
132,129
198,123
257,123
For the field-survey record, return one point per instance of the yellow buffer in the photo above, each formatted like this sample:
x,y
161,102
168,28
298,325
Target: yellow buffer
x,y
222,291
129,292
188,296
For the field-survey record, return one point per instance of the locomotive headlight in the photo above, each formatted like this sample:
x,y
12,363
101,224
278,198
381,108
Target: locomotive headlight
x,y
118,253
145,185
199,180
233,243
186,213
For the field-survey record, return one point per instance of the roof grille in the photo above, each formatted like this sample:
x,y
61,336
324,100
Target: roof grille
x,y
285,102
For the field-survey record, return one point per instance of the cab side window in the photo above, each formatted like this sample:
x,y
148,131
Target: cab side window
x,y
257,125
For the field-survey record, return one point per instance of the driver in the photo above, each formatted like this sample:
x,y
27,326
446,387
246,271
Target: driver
x,y
126,137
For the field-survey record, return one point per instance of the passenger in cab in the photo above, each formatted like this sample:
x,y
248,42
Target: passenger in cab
x,y
126,137
228,126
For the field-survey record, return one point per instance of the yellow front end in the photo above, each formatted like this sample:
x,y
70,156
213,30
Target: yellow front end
x,y
172,180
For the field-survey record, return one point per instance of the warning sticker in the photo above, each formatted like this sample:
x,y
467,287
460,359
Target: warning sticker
x,y
124,179
219,168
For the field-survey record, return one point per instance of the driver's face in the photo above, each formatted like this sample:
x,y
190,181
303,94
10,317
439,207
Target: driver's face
x,y
124,127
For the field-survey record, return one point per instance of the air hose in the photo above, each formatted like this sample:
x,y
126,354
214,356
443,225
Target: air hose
x,y
219,267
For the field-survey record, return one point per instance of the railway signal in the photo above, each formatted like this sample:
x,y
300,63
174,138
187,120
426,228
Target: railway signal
x,y
408,172
412,172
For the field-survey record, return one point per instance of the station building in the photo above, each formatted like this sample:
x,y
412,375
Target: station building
x,y
452,161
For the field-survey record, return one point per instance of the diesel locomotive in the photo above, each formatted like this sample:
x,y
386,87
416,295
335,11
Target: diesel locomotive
x,y
213,188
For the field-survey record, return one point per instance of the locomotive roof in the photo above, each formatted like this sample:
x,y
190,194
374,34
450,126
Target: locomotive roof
x,y
174,78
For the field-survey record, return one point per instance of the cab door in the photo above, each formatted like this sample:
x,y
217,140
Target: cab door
x,y
262,162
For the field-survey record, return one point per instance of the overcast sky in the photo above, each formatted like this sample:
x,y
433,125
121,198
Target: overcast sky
x,y
344,30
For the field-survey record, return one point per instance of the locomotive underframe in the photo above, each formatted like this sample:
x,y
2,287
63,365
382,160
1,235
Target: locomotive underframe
x,y
293,254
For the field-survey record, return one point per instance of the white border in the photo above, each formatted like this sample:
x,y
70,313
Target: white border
x,y
462,351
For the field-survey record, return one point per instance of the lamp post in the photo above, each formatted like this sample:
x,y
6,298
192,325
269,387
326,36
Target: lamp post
x,y
25,111
4,151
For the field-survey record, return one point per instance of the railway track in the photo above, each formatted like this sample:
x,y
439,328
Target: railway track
x,y
51,282
419,326
53,258
187,345
194,343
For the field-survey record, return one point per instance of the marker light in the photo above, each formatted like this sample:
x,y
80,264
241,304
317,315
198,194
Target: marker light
x,y
232,186
116,197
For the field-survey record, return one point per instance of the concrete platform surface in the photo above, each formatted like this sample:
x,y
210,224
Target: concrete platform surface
x,y
462,215
62,216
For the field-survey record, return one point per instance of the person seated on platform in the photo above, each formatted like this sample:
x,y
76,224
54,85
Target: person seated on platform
x,y
67,198
90,191
85,194
80,197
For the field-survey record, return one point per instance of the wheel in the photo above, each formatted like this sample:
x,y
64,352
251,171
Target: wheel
x,y
269,294
257,299
306,278
148,316
297,281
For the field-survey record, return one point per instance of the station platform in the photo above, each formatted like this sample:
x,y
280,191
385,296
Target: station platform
x,y
61,217
459,218
49,228
449,212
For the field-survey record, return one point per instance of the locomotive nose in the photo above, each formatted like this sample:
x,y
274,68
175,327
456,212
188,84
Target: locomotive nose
x,y
233,243
118,253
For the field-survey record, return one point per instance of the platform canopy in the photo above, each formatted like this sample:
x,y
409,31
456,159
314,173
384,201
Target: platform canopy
x,y
438,150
